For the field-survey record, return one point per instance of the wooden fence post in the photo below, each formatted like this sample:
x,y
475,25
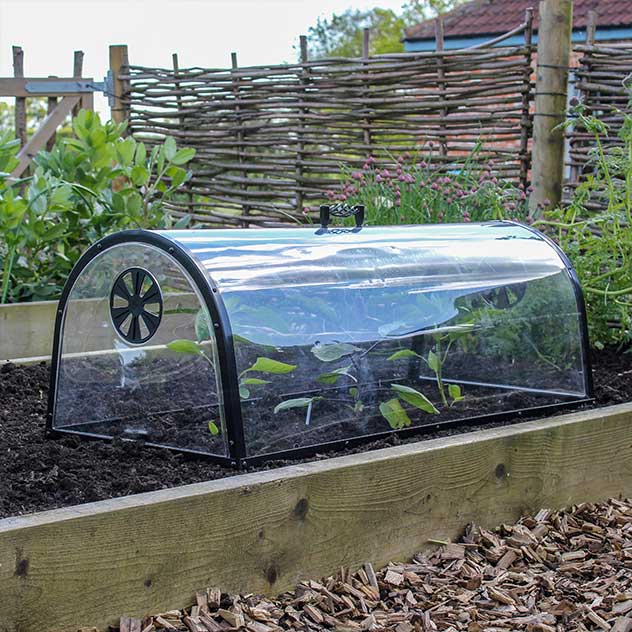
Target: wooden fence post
x,y
366,51
51,105
20,102
298,172
441,85
118,59
87,99
241,149
554,46
584,64
525,121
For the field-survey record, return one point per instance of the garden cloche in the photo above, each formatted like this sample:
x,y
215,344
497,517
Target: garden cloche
x,y
254,344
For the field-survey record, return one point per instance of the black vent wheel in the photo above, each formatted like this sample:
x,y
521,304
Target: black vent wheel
x,y
136,305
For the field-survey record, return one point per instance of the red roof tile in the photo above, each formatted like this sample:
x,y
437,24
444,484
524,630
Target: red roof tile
x,y
494,17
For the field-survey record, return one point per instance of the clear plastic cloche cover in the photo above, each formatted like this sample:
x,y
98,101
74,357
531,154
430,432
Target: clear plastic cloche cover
x,y
243,344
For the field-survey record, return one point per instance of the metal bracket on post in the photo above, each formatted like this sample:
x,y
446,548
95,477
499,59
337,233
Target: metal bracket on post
x,y
73,87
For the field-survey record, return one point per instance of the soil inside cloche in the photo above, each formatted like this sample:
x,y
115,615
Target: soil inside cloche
x,y
38,474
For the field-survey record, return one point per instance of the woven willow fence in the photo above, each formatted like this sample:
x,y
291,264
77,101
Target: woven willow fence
x,y
271,140
604,85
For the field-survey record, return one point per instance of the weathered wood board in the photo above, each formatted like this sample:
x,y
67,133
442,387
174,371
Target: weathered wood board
x,y
261,532
26,329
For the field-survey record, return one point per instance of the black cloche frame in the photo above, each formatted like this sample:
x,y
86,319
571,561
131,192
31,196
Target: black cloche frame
x,y
228,367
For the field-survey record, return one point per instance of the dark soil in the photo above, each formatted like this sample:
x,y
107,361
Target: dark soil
x,y
37,474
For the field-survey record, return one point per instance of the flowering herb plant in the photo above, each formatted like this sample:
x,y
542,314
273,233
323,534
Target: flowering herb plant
x,y
415,190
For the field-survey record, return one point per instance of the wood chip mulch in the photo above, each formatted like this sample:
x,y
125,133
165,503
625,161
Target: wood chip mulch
x,y
552,572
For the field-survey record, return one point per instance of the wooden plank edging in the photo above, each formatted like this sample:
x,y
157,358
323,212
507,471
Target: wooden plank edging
x,y
26,330
261,532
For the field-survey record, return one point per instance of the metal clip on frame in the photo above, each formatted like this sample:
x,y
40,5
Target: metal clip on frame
x,y
344,211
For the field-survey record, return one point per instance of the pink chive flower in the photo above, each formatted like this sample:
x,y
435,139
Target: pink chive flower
x,y
378,178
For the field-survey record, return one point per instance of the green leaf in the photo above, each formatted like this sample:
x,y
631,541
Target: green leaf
x,y
139,175
183,222
299,402
389,328
125,151
244,393
353,391
202,327
183,156
177,175
334,376
393,412
415,398
454,391
212,428
267,365
334,351
134,203
184,346
141,154
433,361
170,148
254,380
57,231
403,353
241,339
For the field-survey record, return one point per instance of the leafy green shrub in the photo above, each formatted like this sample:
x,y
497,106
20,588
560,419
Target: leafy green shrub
x,y
89,185
599,242
416,191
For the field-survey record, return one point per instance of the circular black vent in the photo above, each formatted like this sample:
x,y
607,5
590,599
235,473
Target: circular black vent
x,y
136,305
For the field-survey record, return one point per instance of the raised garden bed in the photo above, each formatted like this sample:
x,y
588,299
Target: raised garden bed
x,y
41,474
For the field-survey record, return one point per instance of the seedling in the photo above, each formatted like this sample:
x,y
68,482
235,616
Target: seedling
x,y
391,410
436,358
267,366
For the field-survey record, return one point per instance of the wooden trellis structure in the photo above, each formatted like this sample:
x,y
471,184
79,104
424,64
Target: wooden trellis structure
x,y
270,140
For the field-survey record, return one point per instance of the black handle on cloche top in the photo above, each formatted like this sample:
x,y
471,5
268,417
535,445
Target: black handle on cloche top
x,y
341,210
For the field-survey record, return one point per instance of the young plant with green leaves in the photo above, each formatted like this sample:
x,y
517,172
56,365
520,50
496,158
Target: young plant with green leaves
x,y
391,410
262,365
595,228
436,358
